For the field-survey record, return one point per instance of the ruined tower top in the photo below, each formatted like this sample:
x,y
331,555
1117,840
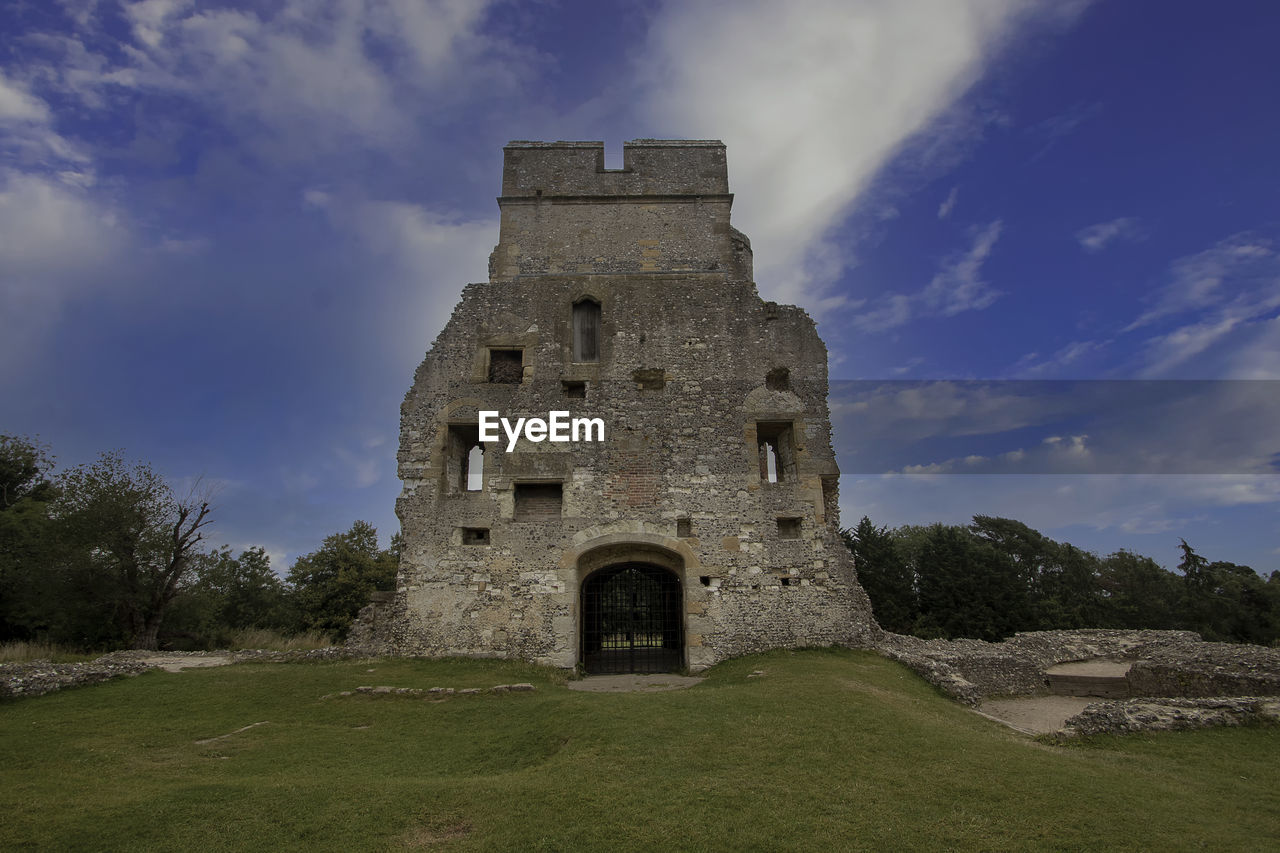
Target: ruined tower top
x,y
666,210
650,167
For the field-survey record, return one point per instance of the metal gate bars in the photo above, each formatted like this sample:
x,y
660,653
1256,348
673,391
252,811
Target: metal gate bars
x,y
631,620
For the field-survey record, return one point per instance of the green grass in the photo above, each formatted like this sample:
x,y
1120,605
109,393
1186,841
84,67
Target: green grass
x,y
18,651
829,750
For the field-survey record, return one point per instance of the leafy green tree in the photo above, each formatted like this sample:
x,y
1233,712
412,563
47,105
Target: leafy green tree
x,y
1138,593
967,587
248,593
332,584
885,575
134,542
26,540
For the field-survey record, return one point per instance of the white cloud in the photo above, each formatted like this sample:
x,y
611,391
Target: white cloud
x,y
949,203
56,242
957,286
1232,292
1121,504
302,76
429,255
813,99
1032,366
1097,237
1240,263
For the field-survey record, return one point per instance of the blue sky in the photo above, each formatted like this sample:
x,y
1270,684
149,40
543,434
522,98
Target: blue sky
x,y
229,232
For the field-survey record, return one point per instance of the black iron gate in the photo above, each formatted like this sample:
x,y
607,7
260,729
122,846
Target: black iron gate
x,y
631,620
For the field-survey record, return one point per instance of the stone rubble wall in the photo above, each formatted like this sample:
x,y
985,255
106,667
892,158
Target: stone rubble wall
x,y
1128,716
1207,669
970,670
38,677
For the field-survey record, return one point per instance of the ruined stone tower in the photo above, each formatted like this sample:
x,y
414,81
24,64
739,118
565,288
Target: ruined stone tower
x,y
704,524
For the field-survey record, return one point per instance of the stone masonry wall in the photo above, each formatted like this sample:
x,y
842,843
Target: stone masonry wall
x,y
694,371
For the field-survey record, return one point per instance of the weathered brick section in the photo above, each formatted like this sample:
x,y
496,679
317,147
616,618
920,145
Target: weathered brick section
x,y
690,361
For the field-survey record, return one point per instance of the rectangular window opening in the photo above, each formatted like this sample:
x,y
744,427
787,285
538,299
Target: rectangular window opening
x,y
788,528
650,379
506,366
776,451
475,536
574,390
464,458
705,580
684,528
538,501
586,331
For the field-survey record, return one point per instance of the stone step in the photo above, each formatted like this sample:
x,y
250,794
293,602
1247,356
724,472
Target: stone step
x,y
1106,686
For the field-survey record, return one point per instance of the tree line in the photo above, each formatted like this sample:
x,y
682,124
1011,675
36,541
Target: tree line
x,y
107,555
996,576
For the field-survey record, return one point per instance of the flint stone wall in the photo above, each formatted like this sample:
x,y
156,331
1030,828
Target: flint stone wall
x,y
1207,669
1156,714
691,362
971,670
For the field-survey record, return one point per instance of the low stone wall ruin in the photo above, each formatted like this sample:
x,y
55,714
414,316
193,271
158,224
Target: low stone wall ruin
x,y
1166,663
1164,714
36,678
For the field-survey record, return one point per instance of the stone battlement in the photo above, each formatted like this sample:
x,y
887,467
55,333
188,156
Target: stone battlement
x,y
650,167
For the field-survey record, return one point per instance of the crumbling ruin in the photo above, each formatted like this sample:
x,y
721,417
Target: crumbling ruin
x,y
704,523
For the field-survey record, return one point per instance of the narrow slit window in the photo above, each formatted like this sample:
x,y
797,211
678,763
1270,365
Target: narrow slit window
x,y
586,330
475,468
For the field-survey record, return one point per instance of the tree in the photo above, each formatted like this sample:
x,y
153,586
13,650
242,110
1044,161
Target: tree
x,y
134,540
967,586
332,584
26,542
1138,593
884,574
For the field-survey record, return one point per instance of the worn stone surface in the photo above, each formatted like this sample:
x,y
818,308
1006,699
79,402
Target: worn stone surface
x,y
39,677
1163,663
1162,714
694,372
36,678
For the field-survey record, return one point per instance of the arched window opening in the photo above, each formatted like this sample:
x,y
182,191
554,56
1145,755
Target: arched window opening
x,y
586,330
475,468
770,463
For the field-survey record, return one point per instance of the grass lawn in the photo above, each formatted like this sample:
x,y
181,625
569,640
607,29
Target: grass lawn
x,y
829,750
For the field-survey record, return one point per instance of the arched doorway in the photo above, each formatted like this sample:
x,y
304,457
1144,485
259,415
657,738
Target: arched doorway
x,y
632,619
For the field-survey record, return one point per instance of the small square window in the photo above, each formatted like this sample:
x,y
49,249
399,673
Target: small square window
x,y
574,390
684,527
538,501
650,379
506,366
475,536
788,528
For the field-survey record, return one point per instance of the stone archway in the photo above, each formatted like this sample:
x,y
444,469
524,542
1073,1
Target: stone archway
x,y
632,619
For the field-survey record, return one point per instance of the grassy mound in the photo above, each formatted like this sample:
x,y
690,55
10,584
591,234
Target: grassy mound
x,y
828,750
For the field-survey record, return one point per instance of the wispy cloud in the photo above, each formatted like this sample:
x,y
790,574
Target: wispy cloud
x,y
957,286
949,203
848,84
1097,237
1224,301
